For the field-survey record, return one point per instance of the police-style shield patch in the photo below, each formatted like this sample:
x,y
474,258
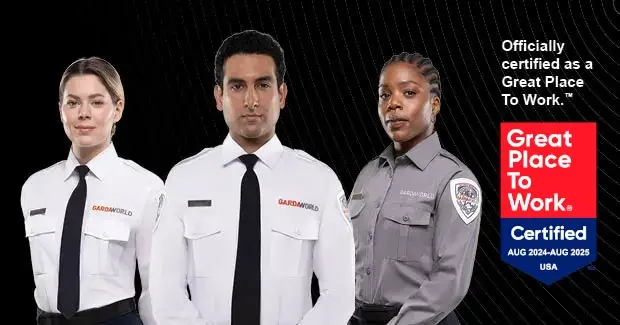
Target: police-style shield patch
x,y
343,205
160,206
466,197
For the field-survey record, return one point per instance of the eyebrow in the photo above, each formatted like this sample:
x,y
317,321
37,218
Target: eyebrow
x,y
90,96
259,79
401,83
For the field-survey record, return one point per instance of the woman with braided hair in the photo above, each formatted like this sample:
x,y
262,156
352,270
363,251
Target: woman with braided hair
x,y
415,209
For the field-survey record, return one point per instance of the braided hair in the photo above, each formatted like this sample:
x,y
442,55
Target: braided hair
x,y
424,65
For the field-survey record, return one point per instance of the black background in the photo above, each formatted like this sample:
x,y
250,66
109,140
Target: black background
x,y
164,53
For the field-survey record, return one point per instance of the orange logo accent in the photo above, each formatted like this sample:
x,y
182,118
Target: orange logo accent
x,y
111,209
298,204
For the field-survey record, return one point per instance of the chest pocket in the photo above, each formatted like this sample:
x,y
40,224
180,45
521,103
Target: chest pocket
x,y
205,242
105,242
355,210
292,241
41,234
410,228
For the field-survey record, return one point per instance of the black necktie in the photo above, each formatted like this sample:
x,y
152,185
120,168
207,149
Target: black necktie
x,y
69,266
246,288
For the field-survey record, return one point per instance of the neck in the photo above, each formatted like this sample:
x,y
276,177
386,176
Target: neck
x,y
400,148
86,154
250,145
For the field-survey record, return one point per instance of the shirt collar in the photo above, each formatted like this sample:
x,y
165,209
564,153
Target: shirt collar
x,y
421,154
269,153
100,165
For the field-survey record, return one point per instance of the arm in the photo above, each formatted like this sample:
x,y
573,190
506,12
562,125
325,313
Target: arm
x,y
143,250
334,261
169,256
455,242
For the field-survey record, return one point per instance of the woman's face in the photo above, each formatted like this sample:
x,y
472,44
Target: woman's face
x,y
88,112
406,108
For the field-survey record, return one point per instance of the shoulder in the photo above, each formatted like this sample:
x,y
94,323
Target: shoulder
x,y
142,174
298,156
459,181
370,166
454,167
190,163
43,176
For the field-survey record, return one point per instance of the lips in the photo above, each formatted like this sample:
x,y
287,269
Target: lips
x,y
394,119
84,127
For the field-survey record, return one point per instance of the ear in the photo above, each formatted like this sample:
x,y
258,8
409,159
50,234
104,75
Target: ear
x,y
435,105
217,93
283,91
118,110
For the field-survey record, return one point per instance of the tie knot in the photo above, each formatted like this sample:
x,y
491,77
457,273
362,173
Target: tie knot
x,y
82,170
249,160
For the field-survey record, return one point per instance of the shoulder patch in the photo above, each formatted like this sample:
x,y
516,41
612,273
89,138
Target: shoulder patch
x,y
160,205
466,198
341,198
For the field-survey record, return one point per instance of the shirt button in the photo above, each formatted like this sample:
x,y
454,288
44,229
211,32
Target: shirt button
x,y
377,204
370,236
297,232
405,218
368,270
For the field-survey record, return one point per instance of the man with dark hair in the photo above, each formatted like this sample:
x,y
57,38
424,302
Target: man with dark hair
x,y
246,223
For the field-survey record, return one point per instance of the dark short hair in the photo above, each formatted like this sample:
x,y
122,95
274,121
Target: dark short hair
x,y
249,42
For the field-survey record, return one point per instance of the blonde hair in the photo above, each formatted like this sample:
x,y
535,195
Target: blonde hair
x,y
101,68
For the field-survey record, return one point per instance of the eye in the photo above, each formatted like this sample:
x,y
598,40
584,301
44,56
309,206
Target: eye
x,y
264,85
71,103
384,96
98,103
236,86
409,93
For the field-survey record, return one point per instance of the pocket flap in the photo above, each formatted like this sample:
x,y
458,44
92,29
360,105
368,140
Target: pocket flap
x,y
197,225
299,227
38,225
355,207
408,215
107,229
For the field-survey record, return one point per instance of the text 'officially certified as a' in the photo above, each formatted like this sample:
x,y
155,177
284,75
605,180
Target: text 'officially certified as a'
x,y
548,197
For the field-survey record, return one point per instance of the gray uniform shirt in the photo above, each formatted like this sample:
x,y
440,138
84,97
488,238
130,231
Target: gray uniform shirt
x,y
416,222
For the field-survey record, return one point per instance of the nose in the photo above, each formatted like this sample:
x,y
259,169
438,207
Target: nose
x,y
251,98
84,112
395,102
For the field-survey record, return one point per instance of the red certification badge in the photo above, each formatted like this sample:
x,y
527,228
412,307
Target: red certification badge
x,y
548,197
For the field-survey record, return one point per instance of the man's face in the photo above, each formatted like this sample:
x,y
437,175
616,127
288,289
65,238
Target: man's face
x,y
250,97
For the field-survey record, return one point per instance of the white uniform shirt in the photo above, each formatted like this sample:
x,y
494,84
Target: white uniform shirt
x,y
120,213
304,228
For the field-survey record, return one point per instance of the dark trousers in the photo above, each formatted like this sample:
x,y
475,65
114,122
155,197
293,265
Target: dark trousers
x,y
119,313
358,319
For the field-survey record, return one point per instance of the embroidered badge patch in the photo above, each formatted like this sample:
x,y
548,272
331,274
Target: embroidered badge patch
x,y
343,204
466,197
160,206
